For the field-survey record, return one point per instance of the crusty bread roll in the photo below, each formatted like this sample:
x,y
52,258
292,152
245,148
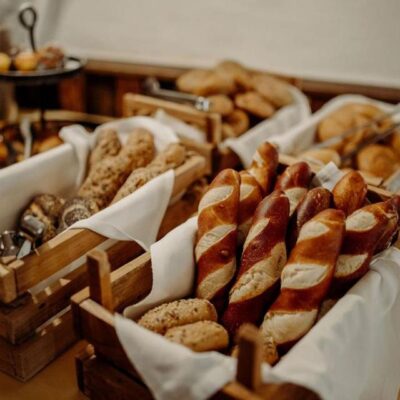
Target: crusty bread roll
x,y
255,104
264,166
108,175
74,210
378,160
238,121
349,192
200,336
237,72
250,197
305,279
321,156
221,104
178,313
107,144
274,90
215,249
294,182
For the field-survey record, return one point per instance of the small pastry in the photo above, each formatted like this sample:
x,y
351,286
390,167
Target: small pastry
x,y
5,62
255,104
272,89
26,61
221,104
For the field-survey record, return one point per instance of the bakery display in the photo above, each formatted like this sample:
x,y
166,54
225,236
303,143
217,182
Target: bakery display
x,y
365,121
283,267
242,97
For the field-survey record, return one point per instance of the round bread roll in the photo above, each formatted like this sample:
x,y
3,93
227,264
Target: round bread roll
x,y
221,104
255,104
272,89
237,72
76,209
204,83
200,336
239,121
26,61
178,313
378,160
321,156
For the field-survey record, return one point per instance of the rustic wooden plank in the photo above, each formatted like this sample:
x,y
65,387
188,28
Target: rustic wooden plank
x,y
81,361
8,284
98,269
26,359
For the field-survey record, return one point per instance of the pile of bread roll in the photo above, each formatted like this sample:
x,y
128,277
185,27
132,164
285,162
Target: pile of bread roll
x,y
114,171
240,96
380,160
276,253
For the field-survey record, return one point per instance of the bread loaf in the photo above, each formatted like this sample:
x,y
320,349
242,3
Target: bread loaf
x,y
264,255
172,157
315,201
107,145
178,313
294,182
250,197
392,228
255,104
349,192
264,165
272,89
221,104
215,249
305,279
364,229
108,175
200,336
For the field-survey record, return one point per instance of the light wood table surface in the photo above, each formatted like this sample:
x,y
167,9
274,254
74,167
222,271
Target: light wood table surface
x,y
56,381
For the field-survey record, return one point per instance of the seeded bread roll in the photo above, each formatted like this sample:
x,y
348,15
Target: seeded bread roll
x,y
171,158
107,144
74,210
46,208
200,336
178,313
108,175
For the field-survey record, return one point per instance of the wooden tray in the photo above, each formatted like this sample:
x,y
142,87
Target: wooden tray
x,y
112,291
22,314
209,123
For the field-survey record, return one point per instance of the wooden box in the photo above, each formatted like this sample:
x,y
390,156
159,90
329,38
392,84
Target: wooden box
x,y
37,326
108,291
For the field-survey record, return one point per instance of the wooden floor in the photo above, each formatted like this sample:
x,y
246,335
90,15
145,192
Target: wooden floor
x,y
57,381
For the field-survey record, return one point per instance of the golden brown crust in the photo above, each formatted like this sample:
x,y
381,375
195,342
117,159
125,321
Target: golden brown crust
x,y
200,336
274,90
255,104
76,209
221,104
238,121
237,72
349,193
178,313
264,166
378,160
107,145
263,257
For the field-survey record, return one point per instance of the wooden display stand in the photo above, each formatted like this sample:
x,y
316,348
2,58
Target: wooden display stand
x,y
34,329
108,291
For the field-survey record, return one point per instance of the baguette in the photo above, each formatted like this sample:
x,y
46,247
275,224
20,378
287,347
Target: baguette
x,y
264,255
349,192
364,230
305,279
107,145
294,182
392,227
264,165
315,201
215,251
177,313
250,197
200,336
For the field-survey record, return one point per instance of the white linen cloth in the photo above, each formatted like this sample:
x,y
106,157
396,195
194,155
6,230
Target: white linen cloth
x,y
287,117
351,354
300,137
61,171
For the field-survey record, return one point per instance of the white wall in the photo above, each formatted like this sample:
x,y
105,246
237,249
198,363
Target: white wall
x,y
341,40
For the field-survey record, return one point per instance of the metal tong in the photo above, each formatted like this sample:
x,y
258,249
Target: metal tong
x,y
338,139
151,86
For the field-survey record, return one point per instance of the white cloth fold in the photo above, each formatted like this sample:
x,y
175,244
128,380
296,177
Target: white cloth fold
x,y
246,145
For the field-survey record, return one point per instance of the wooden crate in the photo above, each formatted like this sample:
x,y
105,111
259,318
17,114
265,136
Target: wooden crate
x,y
23,314
209,123
108,291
